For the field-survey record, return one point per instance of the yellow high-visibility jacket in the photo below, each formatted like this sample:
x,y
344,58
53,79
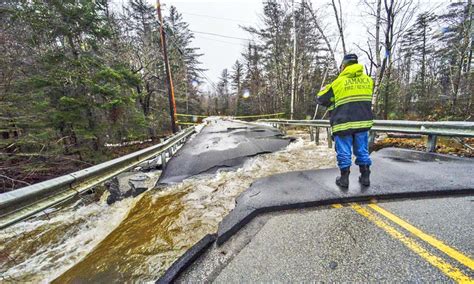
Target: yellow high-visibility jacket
x,y
349,100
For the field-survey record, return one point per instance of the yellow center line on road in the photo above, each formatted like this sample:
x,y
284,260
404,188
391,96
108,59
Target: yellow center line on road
x,y
441,264
337,205
425,237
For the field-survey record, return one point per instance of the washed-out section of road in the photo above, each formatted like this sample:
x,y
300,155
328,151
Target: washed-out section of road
x,y
165,223
222,144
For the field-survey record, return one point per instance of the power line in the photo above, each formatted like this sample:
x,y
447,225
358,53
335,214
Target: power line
x,y
220,35
228,42
218,18
173,39
213,85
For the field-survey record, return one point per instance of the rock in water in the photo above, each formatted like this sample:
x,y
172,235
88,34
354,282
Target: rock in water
x,y
139,183
128,184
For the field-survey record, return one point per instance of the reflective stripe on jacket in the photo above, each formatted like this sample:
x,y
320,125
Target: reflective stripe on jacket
x,y
349,100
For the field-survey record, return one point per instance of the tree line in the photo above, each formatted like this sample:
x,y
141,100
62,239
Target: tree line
x,y
420,62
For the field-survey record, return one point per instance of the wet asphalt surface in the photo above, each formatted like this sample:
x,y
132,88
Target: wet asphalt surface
x,y
449,219
395,173
340,245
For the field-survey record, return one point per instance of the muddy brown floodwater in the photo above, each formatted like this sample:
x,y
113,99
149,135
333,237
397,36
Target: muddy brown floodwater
x,y
163,223
39,250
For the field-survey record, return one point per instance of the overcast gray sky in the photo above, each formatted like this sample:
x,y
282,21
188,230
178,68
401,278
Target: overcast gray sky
x,y
223,17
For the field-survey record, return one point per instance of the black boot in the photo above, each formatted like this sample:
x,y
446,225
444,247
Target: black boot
x,y
343,180
364,178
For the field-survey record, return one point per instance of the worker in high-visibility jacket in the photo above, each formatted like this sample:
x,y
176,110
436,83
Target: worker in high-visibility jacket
x,y
349,100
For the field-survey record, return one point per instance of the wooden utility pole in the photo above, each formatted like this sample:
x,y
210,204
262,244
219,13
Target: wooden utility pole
x,y
293,64
172,102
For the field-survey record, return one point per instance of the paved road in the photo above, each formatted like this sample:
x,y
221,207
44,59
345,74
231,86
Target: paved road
x,y
422,240
395,173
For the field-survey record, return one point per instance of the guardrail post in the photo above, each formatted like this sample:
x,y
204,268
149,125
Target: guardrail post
x,y
316,138
329,134
431,143
311,136
163,160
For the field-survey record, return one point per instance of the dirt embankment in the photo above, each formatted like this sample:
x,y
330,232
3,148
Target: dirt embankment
x,y
19,170
445,145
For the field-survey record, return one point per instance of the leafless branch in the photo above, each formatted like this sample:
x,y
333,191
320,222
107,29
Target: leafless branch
x,y
14,180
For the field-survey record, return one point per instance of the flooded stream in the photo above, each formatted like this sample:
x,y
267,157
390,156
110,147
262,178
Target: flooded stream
x,y
41,249
138,239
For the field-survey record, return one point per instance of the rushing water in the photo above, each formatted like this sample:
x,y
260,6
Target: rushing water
x,y
40,250
159,227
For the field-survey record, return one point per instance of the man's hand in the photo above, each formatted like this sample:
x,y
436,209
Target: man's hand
x,y
325,97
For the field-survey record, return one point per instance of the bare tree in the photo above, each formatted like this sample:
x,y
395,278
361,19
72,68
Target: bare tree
x,y
392,18
317,24
465,29
339,23
374,46
378,60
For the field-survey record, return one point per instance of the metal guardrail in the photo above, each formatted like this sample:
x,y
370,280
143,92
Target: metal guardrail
x,y
24,202
431,129
196,119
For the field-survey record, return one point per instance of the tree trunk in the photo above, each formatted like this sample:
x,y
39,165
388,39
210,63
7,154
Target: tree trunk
x,y
323,35
386,98
339,24
463,53
378,60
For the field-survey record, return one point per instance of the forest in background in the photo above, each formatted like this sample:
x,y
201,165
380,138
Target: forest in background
x,y
77,75
420,61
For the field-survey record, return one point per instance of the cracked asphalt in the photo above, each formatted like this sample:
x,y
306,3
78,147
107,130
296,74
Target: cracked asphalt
x,y
221,144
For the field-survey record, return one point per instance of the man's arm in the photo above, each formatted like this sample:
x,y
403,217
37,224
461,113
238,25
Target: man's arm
x,y
325,97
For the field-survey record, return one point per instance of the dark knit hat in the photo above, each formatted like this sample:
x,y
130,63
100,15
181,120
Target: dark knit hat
x,y
350,58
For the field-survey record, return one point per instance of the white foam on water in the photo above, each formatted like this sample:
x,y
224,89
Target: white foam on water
x,y
209,197
58,243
